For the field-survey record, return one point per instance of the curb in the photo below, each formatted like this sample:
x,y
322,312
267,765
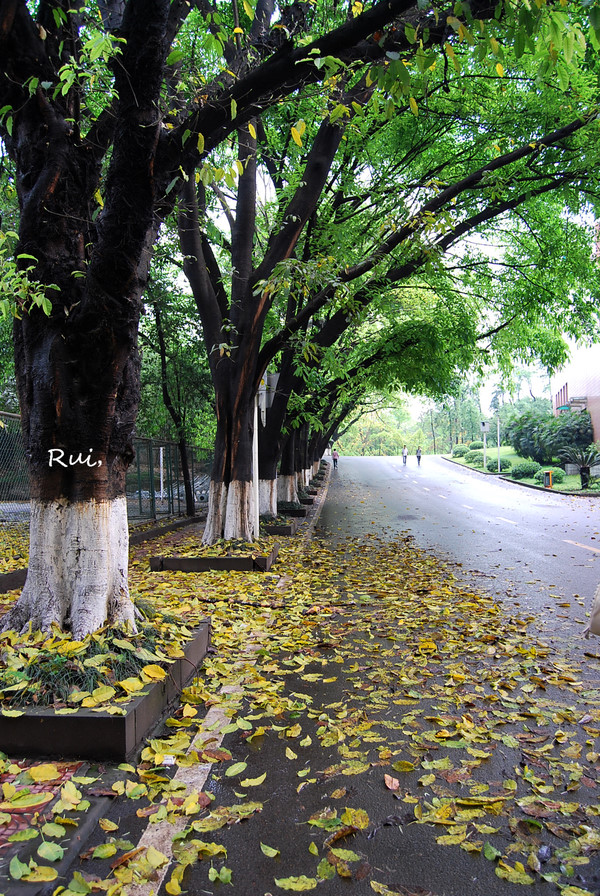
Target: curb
x,y
535,488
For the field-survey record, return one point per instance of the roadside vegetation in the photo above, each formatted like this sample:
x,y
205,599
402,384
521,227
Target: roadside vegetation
x,y
540,444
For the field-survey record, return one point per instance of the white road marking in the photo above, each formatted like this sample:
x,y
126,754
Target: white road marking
x,y
504,520
468,506
445,497
586,547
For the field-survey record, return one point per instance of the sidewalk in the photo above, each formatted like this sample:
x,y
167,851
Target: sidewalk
x,y
368,723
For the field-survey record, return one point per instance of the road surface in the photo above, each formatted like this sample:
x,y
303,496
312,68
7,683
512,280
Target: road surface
x,y
536,549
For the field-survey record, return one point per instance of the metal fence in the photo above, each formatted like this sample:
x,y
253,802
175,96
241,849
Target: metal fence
x,y
155,485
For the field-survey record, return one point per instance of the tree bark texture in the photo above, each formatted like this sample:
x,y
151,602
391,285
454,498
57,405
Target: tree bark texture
x,y
78,369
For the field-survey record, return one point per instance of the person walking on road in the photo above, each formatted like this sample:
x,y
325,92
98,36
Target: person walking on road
x,y
419,453
404,455
335,457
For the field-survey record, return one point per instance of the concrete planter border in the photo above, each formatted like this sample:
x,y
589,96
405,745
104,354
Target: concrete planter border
x,y
282,528
205,564
296,511
10,581
100,735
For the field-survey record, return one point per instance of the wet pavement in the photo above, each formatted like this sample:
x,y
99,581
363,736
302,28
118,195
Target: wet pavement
x,y
376,744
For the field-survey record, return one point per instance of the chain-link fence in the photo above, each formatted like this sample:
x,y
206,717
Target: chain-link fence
x,y
14,479
155,483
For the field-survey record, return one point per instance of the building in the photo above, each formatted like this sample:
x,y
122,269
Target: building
x,y
576,386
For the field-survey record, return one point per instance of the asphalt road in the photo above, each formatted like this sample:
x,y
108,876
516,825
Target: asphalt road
x,y
536,549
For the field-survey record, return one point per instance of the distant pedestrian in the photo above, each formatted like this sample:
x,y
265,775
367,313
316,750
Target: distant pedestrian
x,y
419,453
404,455
335,457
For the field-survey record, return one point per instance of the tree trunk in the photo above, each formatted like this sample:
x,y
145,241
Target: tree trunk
x,y
78,560
287,489
231,496
78,369
269,452
190,504
78,393
268,497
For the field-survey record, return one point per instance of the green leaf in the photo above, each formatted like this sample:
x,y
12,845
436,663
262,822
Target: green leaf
x,y
325,870
174,56
79,884
52,829
52,852
346,855
490,852
236,769
297,884
269,851
17,868
21,836
104,851
223,876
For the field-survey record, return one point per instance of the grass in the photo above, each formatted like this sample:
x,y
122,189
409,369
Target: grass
x,y
571,483
107,668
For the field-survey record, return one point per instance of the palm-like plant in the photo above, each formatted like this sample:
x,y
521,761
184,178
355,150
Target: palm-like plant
x,y
583,459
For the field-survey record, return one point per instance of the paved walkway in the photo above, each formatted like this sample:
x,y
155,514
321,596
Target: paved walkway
x,y
370,723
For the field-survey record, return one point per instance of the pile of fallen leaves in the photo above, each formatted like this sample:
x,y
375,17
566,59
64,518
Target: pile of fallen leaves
x,y
189,547
396,699
15,547
102,672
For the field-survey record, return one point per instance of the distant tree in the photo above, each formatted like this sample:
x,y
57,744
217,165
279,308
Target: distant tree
x,y
541,436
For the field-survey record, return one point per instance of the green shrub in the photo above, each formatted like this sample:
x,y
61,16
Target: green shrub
x,y
459,450
525,469
540,435
558,475
492,464
472,457
473,446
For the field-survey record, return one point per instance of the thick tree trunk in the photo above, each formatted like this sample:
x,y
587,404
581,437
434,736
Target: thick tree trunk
x,y
78,368
77,576
231,496
78,390
230,512
268,497
269,448
287,488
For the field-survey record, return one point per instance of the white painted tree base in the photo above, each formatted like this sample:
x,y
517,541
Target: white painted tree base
x,y
230,512
287,489
267,491
78,562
